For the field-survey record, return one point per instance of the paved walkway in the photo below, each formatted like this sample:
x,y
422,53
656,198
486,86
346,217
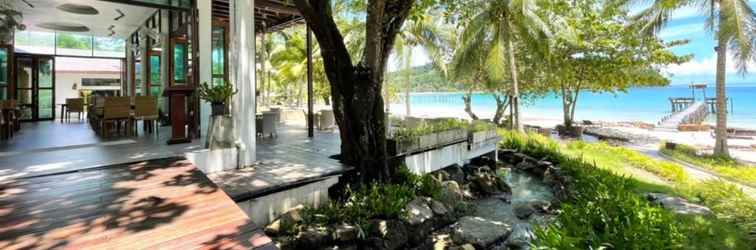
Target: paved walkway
x,y
695,173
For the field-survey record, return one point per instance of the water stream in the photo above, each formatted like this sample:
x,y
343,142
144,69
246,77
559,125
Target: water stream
x,y
525,188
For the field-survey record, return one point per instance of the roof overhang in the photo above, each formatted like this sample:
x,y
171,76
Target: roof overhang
x,y
270,15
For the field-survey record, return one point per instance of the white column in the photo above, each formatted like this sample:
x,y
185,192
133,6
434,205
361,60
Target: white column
x,y
205,63
242,73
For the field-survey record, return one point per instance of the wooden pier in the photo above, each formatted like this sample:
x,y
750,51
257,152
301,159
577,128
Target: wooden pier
x,y
691,113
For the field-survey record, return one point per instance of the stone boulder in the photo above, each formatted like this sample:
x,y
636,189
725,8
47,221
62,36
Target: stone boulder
x,y
487,183
522,235
677,205
313,237
418,211
478,231
285,222
522,210
345,232
387,234
453,173
451,193
438,208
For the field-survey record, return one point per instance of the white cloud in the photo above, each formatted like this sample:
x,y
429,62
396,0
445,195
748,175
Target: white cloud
x,y
681,31
705,66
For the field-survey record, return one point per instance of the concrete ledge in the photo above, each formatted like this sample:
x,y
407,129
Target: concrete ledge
x,y
211,161
264,209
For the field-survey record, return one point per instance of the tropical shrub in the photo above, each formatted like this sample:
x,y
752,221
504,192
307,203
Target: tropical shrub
x,y
606,211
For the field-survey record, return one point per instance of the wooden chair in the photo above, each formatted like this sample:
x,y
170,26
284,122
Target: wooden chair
x,y
94,112
146,109
74,105
115,111
13,114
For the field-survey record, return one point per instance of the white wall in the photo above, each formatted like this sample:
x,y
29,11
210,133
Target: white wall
x,y
64,84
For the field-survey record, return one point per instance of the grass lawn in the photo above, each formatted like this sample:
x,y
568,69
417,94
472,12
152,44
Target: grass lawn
x,y
723,166
609,210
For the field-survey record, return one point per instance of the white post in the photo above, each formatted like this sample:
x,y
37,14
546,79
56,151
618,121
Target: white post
x,y
205,64
242,67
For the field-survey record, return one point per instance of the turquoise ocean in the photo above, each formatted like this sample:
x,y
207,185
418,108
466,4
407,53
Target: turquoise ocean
x,y
638,104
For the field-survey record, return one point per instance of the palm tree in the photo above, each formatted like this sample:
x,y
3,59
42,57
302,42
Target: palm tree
x,y
491,35
733,23
426,33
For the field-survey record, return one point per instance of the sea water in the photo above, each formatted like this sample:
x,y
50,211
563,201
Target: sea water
x,y
637,104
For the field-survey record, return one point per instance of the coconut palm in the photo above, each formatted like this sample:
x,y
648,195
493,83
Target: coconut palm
x,y
733,23
492,33
426,33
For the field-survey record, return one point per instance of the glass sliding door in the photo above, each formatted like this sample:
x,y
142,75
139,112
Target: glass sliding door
x,y
25,87
45,88
35,87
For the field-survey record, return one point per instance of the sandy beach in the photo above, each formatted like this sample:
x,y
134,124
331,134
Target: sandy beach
x,y
741,149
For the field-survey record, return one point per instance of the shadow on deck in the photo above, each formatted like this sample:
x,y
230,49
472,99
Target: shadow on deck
x,y
164,203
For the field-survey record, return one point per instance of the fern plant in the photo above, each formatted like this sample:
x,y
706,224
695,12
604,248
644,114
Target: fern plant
x,y
216,94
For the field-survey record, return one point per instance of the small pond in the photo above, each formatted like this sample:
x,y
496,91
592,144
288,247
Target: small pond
x,y
525,188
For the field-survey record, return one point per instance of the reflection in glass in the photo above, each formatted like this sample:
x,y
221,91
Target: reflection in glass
x,y
218,55
45,73
3,74
3,66
34,42
155,70
45,104
179,63
73,44
109,47
138,78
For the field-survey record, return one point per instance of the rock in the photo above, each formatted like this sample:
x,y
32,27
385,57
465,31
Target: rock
x,y
274,228
552,175
454,173
388,234
526,166
312,237
507,155
478,231
522,210
418,211
463,247
487,183
345,233
483,161
542,206
285,222
451,193
522,235
441,241
438,208
677,205
344,247
291,217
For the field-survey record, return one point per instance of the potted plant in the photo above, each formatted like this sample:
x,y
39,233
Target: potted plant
x,y
217,96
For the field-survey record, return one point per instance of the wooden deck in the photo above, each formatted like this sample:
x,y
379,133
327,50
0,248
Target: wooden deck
x,y
158,204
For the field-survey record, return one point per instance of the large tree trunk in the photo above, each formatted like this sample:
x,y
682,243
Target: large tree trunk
x,y
356,90
515,88
566,107
720,146
502,102
467,98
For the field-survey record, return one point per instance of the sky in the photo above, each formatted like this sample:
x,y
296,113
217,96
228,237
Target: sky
x,y
685,24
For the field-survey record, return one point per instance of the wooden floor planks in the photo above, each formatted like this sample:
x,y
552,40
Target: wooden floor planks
x,y
158,204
